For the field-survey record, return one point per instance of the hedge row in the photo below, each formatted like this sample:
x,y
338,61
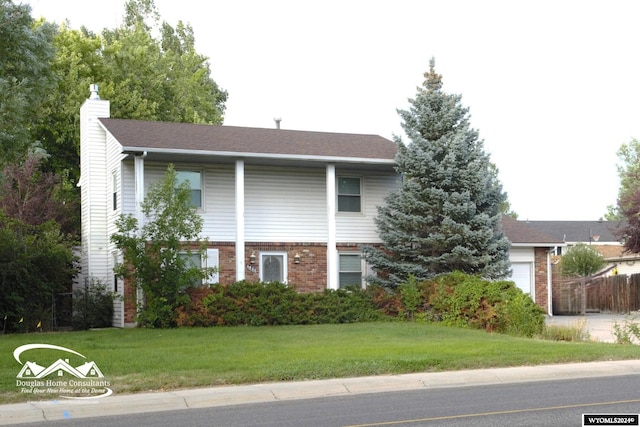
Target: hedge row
x,y
258,304
455,299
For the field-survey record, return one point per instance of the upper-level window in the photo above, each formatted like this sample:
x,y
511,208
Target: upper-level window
x,y
195,184
114,189
349,197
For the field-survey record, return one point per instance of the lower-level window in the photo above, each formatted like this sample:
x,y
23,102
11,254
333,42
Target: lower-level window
x,y
273,267
350,270
211,260
192,260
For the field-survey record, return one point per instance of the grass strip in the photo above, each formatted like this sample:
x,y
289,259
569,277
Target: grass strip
x,y
141,360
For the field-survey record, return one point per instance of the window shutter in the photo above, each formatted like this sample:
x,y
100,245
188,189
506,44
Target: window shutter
x,y
213,261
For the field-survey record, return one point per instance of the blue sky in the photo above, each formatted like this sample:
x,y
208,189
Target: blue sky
x,y
552,86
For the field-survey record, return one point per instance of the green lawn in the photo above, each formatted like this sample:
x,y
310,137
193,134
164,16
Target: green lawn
x,y
147,359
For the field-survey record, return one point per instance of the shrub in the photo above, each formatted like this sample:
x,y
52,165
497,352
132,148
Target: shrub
x,y
464,300
456,299
577,331
411,297
628,332
92,306
257,304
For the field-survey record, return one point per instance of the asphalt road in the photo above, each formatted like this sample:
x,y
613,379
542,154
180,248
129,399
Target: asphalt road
x,y
543,403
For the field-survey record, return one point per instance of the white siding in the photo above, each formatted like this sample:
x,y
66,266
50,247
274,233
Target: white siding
x,y
285,205
93,183
522,254
127,187
113,167
217,195
360,227
282,204
219,203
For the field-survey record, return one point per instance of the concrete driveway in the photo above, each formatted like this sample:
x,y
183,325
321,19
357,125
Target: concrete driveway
x,y
599,325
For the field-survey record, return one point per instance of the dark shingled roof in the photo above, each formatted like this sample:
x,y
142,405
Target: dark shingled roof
x,y
135,134
519,232
579,231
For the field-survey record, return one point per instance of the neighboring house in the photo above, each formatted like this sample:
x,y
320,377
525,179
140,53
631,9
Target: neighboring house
x,y
278,205
601,235
530,255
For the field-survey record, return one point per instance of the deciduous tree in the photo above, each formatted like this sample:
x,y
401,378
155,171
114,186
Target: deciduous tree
x,y
34,197
26,53
156,254
36,268
582,261
629,175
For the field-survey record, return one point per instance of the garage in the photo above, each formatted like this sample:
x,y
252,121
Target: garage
x,y
522,276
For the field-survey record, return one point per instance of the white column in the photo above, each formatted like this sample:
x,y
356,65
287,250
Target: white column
x,y
332,254
240,274
138,165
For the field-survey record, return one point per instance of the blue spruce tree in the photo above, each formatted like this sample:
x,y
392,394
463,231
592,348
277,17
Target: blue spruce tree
x,y
446,215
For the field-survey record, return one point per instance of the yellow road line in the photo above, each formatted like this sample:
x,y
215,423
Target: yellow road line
x,y
484,414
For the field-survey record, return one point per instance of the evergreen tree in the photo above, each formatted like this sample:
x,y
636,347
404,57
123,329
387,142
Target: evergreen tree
x,y
446,215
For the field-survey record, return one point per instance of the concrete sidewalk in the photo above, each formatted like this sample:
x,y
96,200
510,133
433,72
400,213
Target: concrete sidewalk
x,y
272,392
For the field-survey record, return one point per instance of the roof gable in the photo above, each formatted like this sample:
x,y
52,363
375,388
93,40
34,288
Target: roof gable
x,y
135,135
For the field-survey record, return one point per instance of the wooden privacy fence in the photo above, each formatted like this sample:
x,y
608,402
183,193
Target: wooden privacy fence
x,y
614,294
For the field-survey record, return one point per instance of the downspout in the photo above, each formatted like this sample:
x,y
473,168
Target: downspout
x,y
332,258
549,284
240,230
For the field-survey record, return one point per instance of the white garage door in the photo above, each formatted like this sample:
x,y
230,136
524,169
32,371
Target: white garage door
x,y
521,275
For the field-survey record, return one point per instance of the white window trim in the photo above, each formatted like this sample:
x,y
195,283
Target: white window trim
x,y
362,204
115,202
212,259
285,262
202,181
363,268
117,284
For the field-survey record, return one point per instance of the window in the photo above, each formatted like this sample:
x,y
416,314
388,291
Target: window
x,y
195,184
350,270
114,258
114,189
349,198
192,259
273,267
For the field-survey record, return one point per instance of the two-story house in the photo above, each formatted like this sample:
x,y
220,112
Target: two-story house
x,y
277,205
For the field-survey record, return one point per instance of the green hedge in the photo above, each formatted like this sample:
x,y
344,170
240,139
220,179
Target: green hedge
x,y
464,300
257,304
455,299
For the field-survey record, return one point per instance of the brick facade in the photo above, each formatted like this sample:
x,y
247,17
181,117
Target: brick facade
x,y
309,274
541,277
